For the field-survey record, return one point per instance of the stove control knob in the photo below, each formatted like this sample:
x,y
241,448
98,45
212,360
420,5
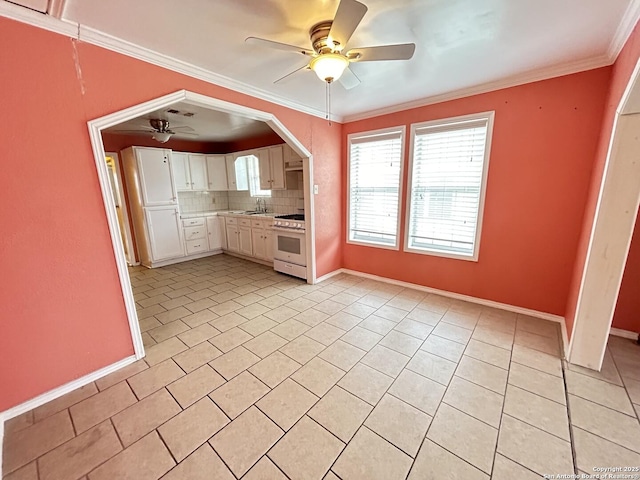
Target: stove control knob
x,y
286,224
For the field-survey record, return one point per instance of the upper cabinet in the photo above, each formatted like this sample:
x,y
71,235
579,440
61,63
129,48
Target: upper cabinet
x,y
156,176
271,166
198,170
237,175
217,173
291,159
190,171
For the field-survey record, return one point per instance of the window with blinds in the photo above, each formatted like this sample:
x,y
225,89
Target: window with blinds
x,y
447,182
375,170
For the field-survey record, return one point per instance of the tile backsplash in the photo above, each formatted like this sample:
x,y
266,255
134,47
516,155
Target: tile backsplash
x,y
281,201
193,202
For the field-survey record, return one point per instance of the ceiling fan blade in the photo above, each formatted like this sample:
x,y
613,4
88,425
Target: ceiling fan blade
x,y
184,134
402,51
182,128
278,46
291,73
349,79
347,19
131,132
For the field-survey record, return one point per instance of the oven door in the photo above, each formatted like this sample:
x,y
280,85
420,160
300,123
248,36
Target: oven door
x,y
290,246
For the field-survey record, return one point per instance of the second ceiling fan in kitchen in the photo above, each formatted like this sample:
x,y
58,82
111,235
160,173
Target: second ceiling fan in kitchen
x,y
329,58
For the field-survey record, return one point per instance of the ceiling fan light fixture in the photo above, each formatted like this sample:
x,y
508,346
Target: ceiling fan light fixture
x,y
161,137
329,66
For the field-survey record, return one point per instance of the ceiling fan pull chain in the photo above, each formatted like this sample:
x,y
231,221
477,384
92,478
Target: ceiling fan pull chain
x,y
328,100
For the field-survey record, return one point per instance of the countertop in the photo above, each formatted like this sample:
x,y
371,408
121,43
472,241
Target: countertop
x,y
227,213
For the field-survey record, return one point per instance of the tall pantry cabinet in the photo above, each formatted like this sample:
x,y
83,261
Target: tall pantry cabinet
x,y
154,204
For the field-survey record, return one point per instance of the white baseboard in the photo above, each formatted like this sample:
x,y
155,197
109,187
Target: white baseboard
x,y
623,333
329,275
459,296
57,392
64,389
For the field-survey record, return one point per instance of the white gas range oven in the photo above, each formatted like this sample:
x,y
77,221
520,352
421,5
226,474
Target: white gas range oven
x,y
290,245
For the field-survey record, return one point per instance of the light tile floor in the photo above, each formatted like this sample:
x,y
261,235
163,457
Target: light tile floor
x,y
251,374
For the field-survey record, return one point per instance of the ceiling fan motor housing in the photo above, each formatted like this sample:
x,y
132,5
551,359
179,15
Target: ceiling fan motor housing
x,y
160,125
319,34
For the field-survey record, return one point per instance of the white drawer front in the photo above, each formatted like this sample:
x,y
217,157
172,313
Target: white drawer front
x,y
197,246
193,222
231,221
195,233
257,223
245,222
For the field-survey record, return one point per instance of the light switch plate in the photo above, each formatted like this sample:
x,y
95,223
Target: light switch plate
x,y
315,189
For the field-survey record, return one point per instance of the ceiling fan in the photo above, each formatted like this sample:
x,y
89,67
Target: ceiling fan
x,y
329,60
160,130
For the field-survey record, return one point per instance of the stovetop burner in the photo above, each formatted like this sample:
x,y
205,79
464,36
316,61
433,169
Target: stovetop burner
x,y
293,216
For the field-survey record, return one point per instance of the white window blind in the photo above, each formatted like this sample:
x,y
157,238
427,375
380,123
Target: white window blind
x,y
448,167
374,187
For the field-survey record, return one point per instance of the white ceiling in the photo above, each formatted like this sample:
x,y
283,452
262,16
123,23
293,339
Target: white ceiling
x,y
208,125
460,44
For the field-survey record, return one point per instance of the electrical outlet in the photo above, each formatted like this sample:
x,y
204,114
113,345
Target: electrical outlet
x,y
315,189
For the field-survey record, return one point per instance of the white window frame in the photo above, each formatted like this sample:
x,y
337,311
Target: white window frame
x,y
489,116
371,133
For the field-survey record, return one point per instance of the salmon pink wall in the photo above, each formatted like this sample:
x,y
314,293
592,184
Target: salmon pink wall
x,y
63,312
544,141
260,141
627,313
620,75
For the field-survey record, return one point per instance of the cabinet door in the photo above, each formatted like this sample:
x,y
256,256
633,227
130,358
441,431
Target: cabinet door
x,y
217,173
231,172
198,172
165,233
245,241
156,179
264,168
257,239
214,232
277,168
233,242
181,175
268,245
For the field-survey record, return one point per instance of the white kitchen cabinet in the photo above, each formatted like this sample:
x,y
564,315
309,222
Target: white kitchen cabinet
x,y
155,176
268,244
198,172
189,171
217,173
257,239
237,175
181,175
165,233
291,159
244,237
216,233
271,167
233,242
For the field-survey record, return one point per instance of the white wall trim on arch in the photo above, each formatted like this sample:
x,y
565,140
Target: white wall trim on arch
x,y
611,233
95,129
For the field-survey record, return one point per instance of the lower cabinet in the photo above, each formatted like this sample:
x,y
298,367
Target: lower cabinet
x,y
233,242
165,232
244,236
216,233
262,243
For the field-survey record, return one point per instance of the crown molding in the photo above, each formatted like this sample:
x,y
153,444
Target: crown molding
x,y
101,39
37,19
513,81
109,42
625,28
